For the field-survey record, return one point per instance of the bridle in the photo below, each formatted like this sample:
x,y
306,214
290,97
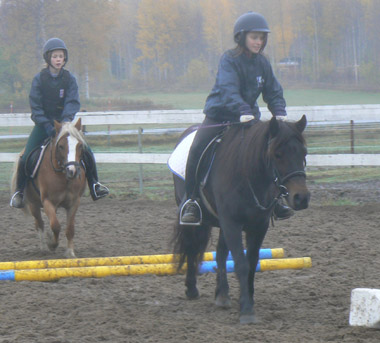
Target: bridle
x,y
63,167
279,183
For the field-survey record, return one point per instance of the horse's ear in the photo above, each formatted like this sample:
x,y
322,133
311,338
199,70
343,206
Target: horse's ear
x,y
57,126
78,124
301,124
273,127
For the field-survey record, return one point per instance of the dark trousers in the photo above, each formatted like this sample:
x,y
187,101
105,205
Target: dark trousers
x,y
206,132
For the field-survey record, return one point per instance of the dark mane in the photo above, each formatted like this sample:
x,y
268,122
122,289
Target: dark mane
x,y
249,148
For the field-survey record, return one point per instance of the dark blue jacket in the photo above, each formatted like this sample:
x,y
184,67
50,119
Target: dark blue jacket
x,y
239,82
45,116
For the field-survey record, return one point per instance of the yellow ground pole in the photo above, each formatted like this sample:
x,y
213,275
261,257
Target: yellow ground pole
x,y
51,274
109,261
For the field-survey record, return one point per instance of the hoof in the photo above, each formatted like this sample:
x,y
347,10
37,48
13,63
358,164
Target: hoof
x,y
51,242
248,319
223,301
70,253
192,294
52,246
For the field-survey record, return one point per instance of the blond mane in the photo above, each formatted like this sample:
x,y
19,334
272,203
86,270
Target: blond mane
x,y
70,129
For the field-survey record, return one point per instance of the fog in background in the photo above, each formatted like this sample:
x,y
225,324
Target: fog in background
x,y
121,46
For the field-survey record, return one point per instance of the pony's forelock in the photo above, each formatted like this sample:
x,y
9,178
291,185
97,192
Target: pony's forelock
x,y
70,129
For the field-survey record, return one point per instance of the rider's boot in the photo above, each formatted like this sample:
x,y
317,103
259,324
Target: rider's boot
x,y
17,200
282,211
190,213
97,190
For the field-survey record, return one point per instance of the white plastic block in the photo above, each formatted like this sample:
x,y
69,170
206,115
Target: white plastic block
x,y
365,307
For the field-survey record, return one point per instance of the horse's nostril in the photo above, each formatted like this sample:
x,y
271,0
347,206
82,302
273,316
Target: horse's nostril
x,y
70,172
301,201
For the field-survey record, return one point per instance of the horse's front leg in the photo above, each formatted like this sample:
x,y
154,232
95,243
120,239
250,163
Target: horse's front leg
x,y
35,210
51,213
70,215
222,298
233,235
254,239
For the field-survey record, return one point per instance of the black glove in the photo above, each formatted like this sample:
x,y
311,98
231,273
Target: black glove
x,y
50,130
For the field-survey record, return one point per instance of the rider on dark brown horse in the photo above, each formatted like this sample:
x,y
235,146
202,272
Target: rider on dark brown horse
x,y
54,96
244,73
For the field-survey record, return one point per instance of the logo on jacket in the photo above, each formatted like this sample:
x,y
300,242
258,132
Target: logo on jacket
x,y
260,81
61,93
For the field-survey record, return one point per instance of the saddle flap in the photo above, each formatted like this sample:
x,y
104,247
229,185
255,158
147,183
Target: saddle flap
x,y
34,159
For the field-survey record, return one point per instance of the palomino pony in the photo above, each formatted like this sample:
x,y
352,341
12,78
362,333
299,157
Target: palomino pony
x,y
60,182
253,166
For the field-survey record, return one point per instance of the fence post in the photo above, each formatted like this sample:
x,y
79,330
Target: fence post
x,y
352,137
140,165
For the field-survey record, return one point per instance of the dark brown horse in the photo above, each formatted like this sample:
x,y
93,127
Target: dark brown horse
x,y
60,182
254,165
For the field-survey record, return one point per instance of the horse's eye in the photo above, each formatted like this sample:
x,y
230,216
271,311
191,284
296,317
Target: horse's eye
x,y
277,154
61,147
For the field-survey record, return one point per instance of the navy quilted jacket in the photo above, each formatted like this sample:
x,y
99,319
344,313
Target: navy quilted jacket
x,y
240,81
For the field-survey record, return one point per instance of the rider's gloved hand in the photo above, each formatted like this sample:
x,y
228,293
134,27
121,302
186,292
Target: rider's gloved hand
x,y
50,130
280,114
246,113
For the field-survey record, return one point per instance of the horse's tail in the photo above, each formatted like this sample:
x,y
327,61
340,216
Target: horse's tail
x,y
190,243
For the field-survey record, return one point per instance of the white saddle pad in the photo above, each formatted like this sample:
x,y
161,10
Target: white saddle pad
x,y
178,159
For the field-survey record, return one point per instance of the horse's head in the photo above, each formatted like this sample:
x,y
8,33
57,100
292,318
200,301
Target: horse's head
x,y
287,153
68,145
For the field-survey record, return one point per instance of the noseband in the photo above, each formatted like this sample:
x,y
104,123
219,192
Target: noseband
x,y
283,191
280,181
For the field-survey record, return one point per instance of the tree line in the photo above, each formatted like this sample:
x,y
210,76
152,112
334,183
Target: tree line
x,y
134,45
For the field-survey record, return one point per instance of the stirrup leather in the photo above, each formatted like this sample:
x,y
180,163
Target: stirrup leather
x,y
199,209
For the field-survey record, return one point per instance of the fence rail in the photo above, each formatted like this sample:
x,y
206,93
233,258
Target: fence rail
x,y
327,115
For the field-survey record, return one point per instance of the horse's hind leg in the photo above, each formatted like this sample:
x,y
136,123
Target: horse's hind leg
x,y
191,277
52,239
194,245
222,298
70,230
39,225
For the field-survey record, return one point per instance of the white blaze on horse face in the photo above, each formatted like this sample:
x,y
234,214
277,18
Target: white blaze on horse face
x,y
71,153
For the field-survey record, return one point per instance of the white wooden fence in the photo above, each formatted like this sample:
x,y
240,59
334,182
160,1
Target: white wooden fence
x,y
315,114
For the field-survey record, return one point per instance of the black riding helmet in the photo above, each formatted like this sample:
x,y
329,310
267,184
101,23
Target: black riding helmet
x,y
54,44
249,22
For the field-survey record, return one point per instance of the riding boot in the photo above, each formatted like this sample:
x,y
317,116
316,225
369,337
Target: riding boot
x,y
282,211
191,213
97,190
17,200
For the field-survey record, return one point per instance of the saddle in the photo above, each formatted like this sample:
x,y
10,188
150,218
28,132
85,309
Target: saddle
x,y
33,160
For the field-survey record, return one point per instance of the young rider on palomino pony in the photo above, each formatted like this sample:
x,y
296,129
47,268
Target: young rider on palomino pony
x,y
54,96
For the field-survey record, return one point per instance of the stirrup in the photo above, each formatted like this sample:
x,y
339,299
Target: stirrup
x,y
21,204
96,196
181,212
